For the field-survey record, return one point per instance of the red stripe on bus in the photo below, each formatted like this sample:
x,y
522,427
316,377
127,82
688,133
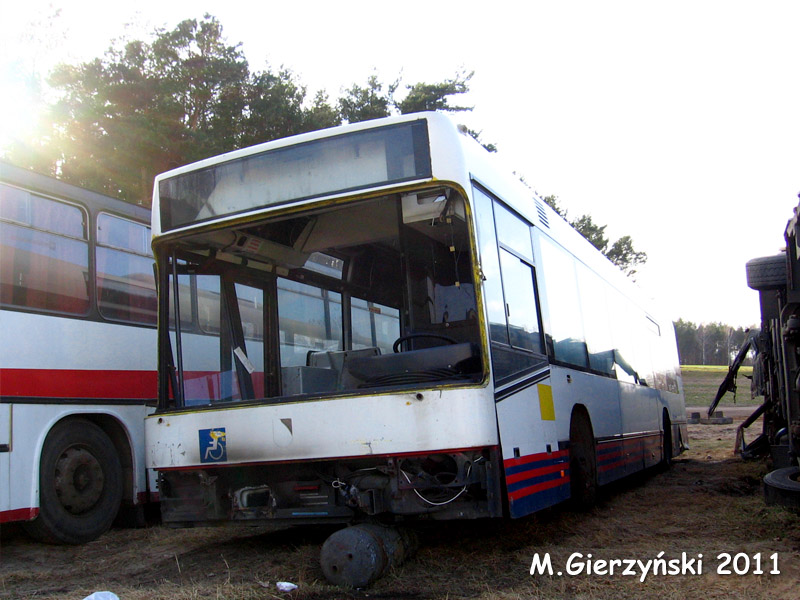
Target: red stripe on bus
x,y
539,487
611,466
18,514
536,472
609,456
78,383
523,460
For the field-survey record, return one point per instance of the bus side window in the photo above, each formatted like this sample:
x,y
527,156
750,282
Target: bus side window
x,y
596,321
490,265
44,253
563,303
126,288
523,318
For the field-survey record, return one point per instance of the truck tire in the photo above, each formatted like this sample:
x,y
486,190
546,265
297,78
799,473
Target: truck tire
x,y
80,484
767,272
782,487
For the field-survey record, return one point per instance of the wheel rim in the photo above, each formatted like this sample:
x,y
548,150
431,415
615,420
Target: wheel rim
x,y
79,480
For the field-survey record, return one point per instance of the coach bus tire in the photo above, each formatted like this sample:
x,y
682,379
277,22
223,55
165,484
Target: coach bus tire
x,y
80,484
767,272
582,462
782,487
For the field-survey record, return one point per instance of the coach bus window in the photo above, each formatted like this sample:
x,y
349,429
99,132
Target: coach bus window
x,y
374,325
44,253
125,283
185,291
566,322
210,365
208,303
310,320
250,301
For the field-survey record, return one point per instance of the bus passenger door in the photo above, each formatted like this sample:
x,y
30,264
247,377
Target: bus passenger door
x,y
5,456
535,468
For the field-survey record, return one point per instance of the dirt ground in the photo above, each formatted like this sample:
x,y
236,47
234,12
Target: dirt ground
x,y
709,503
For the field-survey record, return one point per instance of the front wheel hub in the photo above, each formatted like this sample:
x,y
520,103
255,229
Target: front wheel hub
x,y
79,480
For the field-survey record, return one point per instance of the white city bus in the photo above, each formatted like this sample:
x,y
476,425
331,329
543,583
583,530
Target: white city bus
x,y
388,326
78,361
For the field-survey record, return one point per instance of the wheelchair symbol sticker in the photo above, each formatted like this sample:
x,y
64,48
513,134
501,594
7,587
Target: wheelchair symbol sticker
x,y
212,445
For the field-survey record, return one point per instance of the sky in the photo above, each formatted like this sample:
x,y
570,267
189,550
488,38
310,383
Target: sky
x,y
676,123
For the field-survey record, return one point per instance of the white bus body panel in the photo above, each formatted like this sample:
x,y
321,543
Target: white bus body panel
x,y
5,456
600,396
32,423
323,429
58,343
64,343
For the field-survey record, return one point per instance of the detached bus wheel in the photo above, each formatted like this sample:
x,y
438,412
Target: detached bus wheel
x,y
582,462
80,484
357,556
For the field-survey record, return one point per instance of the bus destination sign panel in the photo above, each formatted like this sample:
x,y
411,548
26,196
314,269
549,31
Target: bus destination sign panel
x,y
337,164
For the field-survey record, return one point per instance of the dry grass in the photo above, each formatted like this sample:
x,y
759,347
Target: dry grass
x,y
708,502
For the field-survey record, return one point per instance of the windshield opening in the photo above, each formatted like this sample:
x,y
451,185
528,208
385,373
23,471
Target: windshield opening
x,y
372,295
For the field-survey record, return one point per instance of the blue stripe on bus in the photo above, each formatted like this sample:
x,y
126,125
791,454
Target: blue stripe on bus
x,y
536,481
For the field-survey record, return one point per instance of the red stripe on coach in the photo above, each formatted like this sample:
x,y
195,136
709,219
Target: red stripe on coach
x,y
78,383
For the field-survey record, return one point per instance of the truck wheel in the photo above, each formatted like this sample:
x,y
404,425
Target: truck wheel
x,y
80,484
767,272
782,487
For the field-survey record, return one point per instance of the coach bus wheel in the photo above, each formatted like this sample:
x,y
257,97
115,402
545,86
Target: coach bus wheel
x,y
80,484
582,462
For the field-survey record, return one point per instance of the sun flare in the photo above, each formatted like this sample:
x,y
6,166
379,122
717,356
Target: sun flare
x,y
21,109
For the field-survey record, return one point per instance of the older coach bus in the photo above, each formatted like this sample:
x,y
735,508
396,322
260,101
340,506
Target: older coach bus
x,y
78,361
390,327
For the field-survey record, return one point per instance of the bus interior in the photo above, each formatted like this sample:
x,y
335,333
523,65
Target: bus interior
x,y
369,294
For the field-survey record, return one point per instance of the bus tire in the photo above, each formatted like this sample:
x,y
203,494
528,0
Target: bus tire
x,y
582,462
767,273
80,484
